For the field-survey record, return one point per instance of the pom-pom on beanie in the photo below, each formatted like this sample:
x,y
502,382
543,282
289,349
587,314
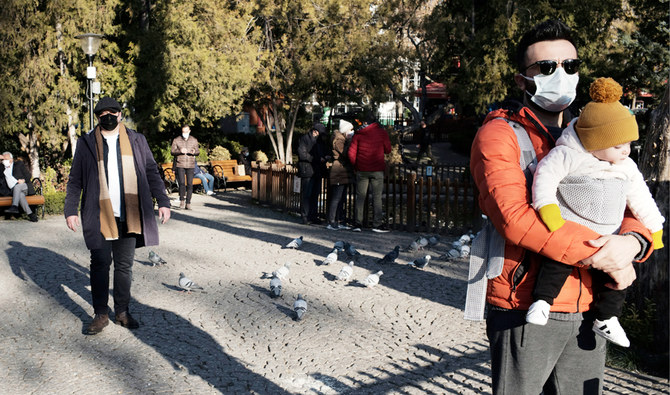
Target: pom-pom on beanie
x,y
605,122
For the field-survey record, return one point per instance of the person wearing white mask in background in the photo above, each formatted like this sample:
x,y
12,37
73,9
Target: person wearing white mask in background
x,y
564,356
15,182
185,149
341,174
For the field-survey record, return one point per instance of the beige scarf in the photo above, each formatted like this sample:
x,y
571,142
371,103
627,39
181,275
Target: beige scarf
x,y
131,199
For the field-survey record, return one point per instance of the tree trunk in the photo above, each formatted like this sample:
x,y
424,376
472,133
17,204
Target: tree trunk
x,y
269,121
29,145
71,130
652,282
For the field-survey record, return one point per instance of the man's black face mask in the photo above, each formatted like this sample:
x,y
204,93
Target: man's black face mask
x,y
109,121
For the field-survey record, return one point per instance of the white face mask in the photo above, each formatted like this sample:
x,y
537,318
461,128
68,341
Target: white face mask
x,y
185,135
554,92
5,162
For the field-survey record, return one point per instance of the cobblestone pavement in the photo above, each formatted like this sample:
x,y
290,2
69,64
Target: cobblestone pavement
x,y
404,336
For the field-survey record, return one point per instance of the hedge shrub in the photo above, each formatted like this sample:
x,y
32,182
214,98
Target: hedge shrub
x,y
54,202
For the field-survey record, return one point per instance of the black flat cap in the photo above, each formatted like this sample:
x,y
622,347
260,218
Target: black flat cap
x,y
107,103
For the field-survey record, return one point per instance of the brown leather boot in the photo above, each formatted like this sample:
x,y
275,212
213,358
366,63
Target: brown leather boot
x,y
100,321
126,320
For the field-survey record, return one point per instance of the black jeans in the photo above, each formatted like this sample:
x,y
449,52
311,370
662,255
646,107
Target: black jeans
x,y
310,187
123,252
550,278
336,206
185,190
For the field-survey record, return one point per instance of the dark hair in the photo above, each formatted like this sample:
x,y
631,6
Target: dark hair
x,y
549,30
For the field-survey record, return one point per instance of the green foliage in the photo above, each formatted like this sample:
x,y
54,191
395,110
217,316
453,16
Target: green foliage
x,y
163,152
219,153
234,146
308,47
259,156
54,202
49,180
202,155
643,354
193,62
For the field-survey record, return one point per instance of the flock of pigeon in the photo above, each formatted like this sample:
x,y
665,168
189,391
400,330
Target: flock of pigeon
x,y
459,248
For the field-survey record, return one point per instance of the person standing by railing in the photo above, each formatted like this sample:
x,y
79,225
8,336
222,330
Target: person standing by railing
x,y
311,165
341,174
366,154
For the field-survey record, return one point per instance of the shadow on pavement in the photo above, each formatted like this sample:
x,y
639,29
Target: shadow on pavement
x,y
415,376
181,343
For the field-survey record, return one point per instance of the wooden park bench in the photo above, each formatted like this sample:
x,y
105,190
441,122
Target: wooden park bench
x,y
33,200
227,171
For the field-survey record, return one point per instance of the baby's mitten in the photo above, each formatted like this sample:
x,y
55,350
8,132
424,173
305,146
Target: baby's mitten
x,y
551,216
657,237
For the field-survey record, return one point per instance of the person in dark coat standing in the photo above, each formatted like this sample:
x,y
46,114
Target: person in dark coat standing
x,y
114,168
425,143
311,163
15,182
341,174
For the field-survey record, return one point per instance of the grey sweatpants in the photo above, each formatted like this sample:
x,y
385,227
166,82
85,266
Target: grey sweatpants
x,y
562,357
19,193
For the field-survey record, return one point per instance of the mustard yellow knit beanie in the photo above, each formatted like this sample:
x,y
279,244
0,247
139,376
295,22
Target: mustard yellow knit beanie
x,y
605,122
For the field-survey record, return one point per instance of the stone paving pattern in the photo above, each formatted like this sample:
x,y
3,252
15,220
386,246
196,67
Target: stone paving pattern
x,y
404,336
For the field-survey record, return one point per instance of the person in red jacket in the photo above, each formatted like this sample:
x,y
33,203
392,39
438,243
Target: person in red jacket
x,y
366,154
565,356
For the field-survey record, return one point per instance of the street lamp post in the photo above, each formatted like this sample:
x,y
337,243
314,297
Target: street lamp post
x,y
90,43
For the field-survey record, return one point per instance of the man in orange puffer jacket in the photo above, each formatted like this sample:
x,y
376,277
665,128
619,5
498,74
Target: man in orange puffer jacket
x,y
564,356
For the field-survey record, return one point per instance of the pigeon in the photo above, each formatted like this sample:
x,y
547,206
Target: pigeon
x,y
282,272
391,256
465,239
465,251
346,271
300,307
331,258
155,259
295,243
453,253
421,263
350,250
275,287
187,284
413,246
457,244
422,242
339,245
372,279
433,240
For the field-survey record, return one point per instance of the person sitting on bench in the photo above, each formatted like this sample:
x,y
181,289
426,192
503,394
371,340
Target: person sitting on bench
x,y
15,182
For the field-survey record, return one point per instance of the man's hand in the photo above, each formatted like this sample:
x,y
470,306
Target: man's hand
x,y
72,222
622,278
616,252
164,214
21,180
184,150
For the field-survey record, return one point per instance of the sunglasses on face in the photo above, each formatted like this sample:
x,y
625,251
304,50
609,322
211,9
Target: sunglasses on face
x,y
547,67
